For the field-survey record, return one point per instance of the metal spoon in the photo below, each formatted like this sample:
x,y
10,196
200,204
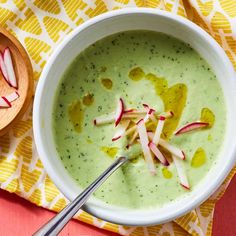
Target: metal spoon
x,y
57,223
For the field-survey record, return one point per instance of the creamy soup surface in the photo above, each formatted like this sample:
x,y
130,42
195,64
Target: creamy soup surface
x,y
140,67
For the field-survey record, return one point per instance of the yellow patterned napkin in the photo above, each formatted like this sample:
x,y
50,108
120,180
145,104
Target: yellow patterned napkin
x,y
40,26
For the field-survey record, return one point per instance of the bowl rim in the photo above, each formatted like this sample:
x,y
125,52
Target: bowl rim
x,y
37,120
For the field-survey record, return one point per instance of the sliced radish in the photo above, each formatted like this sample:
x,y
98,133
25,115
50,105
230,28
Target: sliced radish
x,y
181,173
9,66
158,154
146,107
150,135
191,126
119,112
135,135
150,113
3,69
144,143
131,116
4,102
130,130
171,148
104,119
12,96
121,129
135,111
159,129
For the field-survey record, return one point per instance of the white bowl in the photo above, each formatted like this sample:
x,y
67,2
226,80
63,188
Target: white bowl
x,y
100,27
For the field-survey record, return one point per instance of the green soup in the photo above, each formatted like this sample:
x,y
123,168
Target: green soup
x,y
140,67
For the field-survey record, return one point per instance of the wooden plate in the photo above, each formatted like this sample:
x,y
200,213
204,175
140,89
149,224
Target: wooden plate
x,y
24,75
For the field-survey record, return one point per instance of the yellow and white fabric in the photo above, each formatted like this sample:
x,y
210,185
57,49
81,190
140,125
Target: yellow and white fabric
x,y
40,26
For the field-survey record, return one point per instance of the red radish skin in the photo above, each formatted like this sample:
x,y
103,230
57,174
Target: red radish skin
x,y
9,67
162,118
158,154
3,69
141,120
116,138
129,110
145,106
119,112
150,113
186,187
6,100
144,143
191,126
4,103
121,128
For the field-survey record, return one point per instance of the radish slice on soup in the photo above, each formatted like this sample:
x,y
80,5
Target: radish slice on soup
x,y
104,119
181,173
159,129
158,154
191,126
121,129
171,148
119,112
144,143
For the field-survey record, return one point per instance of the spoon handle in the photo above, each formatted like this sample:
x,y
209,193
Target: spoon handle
x,y
57,223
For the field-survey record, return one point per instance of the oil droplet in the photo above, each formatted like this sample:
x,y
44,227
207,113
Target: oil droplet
x,y
89,141
174,99
166,173
208,116
160,84
76,115
209,138
88,99
134,160
136,74
199,158
110,151
107,83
